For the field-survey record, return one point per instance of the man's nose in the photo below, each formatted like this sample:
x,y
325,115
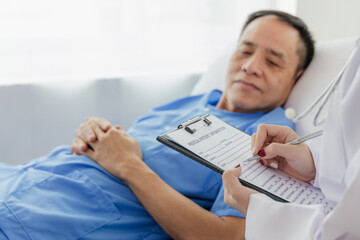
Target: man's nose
x,y
253,65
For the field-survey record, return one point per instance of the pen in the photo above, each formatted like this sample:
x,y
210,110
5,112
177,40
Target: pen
x,y
293,142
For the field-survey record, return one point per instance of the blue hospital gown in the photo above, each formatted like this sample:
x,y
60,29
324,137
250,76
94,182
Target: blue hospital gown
x,y
65,196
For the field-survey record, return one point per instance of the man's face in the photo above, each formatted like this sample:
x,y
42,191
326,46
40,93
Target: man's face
x,y
262,69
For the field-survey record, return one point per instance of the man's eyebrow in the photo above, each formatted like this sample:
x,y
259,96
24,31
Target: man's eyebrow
x,y
248,43
276,54
269,50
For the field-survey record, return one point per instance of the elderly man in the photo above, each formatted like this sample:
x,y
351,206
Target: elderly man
x,y
121,185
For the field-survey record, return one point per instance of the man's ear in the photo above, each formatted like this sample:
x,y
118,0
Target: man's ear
x,y
298,74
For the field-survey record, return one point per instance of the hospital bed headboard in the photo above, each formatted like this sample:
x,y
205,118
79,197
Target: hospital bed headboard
x,y
329,58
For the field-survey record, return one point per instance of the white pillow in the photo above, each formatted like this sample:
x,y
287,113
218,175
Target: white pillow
x,y
328,60
214,77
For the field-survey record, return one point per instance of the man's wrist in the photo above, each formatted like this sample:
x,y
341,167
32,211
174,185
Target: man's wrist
x,y
131,170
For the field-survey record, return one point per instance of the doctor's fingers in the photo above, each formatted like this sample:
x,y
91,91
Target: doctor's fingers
x,y
231,182
256,150
267,133
276,151
235,194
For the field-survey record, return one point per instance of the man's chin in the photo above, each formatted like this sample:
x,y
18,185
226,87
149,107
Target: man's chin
x,y
251,107
246,107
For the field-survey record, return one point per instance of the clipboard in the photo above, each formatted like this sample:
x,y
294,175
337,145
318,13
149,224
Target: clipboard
x,y
188,127
192,135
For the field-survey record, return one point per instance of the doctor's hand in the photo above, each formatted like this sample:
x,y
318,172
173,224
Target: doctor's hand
x,y
235,194
296,160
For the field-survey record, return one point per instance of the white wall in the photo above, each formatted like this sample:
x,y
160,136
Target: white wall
x,y
331,19
35,118
51,40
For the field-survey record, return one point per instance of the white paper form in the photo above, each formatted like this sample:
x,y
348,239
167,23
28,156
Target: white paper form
x,y
225,146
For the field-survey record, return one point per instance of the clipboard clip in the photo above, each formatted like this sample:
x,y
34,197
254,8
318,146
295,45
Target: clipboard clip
x,y
206,122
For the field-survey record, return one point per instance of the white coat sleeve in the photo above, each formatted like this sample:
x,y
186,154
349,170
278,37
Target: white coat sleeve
x,y
343,221
268,219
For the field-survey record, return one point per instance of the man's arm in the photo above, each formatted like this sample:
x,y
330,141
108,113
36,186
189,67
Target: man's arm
x,y
180,217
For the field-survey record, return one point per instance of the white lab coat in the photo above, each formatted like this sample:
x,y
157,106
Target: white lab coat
x,y
338,175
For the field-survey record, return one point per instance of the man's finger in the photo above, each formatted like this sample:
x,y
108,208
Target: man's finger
x,y
85,132
97,130
78,146
104,124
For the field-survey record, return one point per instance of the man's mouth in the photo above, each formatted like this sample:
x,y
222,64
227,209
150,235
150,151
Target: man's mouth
x,y
247,85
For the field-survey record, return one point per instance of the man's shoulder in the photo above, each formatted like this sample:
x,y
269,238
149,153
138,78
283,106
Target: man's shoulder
x,y
185,102
275,117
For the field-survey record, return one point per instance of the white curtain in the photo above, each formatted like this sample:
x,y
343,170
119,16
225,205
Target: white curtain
x,y
45,40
